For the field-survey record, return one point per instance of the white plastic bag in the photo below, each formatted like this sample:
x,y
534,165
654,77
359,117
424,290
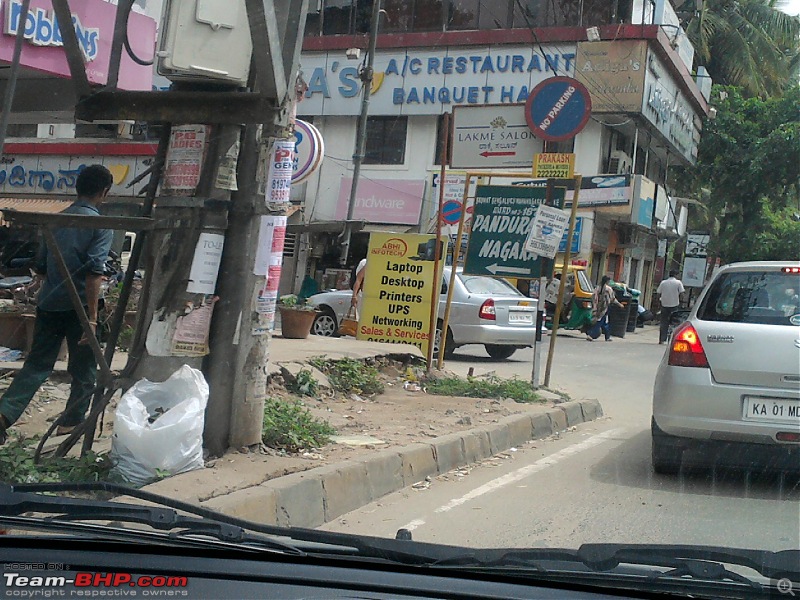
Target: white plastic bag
x,y
173,443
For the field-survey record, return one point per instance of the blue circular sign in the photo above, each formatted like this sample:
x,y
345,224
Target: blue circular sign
x,y
451,212
558,108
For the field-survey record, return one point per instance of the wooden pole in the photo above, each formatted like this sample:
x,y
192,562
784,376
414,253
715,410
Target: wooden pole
x,y
564,271
437,269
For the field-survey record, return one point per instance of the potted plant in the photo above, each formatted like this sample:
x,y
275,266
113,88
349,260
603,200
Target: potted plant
x,y
296,317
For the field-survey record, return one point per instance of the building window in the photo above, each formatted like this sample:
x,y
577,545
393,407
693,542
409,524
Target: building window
x,y
22,130
462,14
428,15
399,16
567,146
337,17
386,140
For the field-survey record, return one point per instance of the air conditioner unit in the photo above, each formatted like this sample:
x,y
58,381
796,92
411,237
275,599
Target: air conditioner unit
x,y
620,163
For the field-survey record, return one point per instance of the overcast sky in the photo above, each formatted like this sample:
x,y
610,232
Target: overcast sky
x,y
791,7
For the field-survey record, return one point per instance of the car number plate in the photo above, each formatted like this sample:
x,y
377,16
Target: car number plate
x,y
520,318
772,410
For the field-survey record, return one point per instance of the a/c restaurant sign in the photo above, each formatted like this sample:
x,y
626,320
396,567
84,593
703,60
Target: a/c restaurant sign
x,y
430,82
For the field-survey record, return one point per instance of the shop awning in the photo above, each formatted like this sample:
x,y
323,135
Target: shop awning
x,y
36,205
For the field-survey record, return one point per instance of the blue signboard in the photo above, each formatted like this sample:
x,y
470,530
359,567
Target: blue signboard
x,y
576,238
558,109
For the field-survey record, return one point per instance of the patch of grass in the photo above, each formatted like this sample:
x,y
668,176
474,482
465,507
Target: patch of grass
x,y
17,466
304,384
349,375
290,426
490,387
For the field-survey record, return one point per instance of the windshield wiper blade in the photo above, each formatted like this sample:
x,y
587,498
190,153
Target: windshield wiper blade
x,y
14,503
773,565
315,541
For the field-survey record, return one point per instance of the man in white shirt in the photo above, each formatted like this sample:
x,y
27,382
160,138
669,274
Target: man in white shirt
x,y
669,292
358,286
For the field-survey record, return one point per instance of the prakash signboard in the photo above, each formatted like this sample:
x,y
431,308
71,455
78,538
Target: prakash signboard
x,y
554,164
396,307
613,71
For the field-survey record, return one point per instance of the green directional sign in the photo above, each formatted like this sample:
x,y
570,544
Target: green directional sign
x,y
501,220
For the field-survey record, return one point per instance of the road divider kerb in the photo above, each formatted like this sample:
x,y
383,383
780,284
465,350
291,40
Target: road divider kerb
x,y
314,497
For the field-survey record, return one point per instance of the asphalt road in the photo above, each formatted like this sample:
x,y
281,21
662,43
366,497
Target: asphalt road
x,y
593,484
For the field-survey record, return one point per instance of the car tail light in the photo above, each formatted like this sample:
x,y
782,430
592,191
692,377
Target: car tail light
x,y
487,310
686,349
791,270
787,436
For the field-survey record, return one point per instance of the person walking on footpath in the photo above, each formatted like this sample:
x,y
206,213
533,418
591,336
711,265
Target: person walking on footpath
x,y
358,284
85,251
669,292
602,299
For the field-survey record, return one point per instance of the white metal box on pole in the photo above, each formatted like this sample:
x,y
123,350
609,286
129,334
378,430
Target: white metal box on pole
x,y
204,40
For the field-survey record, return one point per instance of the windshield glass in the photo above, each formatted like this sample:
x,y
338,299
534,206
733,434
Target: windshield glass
x,y
584,282
768,298
340,275
486,286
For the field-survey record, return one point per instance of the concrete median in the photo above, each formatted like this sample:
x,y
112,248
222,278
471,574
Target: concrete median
x,y
316,496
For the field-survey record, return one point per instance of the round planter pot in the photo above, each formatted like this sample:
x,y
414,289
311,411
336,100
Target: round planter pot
x,y
296,324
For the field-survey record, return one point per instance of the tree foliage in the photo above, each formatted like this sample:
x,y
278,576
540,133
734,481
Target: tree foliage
x,y
747,43
747,176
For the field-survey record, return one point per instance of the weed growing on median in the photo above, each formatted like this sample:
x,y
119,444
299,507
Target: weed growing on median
x,y
290,426
490,387
349,375
304,384
17,466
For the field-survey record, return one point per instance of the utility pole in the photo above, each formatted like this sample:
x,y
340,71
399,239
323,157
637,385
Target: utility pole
x,y
361,131
237,365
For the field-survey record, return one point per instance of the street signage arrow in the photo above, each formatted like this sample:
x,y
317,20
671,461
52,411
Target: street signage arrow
x,y
501,222
495,269
487,154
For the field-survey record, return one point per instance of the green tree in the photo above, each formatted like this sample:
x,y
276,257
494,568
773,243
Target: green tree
x,y
747,176
747,43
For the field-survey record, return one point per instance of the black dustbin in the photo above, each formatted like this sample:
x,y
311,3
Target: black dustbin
x,y
618,317
633,315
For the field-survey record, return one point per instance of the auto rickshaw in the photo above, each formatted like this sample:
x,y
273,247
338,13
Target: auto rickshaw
x,y
578,313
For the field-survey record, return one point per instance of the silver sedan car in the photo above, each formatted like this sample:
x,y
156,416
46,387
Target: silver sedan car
x,y
728,387
485,311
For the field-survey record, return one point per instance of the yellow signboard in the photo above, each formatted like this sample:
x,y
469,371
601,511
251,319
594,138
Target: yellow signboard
x,y
396,307
553,164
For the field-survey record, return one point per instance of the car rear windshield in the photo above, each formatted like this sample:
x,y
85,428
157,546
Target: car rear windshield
x,y
768,298
476,284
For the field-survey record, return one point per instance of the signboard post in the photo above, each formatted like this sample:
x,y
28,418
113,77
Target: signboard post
x,y
501,222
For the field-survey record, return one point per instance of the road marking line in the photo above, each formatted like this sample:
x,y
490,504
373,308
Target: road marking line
x,y
414,524
523,472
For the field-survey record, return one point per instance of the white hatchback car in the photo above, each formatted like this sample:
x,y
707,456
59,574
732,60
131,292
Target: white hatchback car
x,y
729,383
